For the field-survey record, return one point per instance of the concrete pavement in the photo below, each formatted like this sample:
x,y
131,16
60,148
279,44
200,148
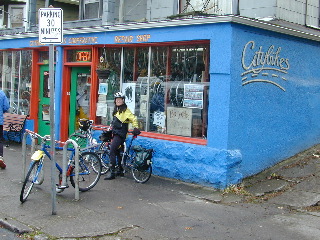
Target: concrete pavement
x,y
260,208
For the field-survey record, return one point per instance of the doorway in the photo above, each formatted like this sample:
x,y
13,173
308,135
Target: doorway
x,y
44,102
79,96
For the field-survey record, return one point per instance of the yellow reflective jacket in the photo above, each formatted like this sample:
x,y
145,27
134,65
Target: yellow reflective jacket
x,y
127,117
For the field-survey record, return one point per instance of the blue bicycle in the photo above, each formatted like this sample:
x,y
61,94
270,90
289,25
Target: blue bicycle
x,y
89,168
134,159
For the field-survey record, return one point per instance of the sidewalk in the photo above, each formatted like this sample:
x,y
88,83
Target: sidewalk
x,y
123,209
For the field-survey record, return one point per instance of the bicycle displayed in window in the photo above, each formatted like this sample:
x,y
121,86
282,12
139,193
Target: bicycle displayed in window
x,y
89,168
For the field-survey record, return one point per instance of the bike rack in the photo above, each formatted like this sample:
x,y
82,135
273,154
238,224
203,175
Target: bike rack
x,y
76,167
64,161
24,153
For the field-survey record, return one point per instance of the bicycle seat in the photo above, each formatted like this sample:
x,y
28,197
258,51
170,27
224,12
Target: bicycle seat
x,y
79,135
85,124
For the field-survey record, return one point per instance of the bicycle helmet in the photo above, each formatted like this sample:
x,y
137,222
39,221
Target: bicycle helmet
x,y
119,95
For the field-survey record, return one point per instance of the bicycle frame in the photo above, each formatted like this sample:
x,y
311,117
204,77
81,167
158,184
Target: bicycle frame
x,y
127,157
37,155
89,165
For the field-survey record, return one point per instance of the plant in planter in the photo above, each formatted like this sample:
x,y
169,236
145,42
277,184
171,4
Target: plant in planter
x,y
103,70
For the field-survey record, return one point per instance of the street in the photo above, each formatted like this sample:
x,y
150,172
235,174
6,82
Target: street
x,y
5,234
159,209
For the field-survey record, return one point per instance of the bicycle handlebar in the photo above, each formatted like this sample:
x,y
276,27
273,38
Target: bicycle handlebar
x,y
134,135
34,134
44,138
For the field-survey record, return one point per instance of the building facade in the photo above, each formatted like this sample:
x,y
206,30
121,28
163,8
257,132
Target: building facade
x,y
219,98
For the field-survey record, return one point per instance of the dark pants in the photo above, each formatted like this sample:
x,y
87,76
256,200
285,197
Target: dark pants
x,y
1,140
115,151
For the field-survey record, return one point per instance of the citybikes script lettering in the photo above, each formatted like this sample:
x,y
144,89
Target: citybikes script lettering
x,y
256,61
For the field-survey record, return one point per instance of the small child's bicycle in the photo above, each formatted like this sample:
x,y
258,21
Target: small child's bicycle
x,y
89,168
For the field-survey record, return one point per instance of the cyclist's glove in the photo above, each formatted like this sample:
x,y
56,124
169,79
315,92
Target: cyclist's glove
x,y
136,131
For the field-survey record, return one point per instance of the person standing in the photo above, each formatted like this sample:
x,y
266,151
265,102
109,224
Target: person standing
x,y
122,116
4,107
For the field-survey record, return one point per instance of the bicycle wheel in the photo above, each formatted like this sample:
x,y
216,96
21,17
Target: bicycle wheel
x,y
89,171
141,176
31,178
104,155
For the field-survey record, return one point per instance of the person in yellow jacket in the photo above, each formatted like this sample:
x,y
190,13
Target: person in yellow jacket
x,y
122,116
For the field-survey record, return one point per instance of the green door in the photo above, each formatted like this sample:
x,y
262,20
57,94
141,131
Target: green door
x,y
79,96
44,102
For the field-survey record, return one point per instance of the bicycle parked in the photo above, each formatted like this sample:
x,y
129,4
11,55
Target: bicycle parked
x,y
83,137
134,159
89,168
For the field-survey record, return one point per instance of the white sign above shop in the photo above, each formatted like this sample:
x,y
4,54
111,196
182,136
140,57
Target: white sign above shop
x,y
50,25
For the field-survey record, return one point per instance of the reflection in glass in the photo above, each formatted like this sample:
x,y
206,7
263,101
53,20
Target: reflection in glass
x,y
128,64
16,80
105,104
83,95
46,86
157,88
166,87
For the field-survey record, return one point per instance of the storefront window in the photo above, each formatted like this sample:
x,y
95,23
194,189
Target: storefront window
x,y
128,64
108,85
44,57
187,91
83,55
165,86
16,79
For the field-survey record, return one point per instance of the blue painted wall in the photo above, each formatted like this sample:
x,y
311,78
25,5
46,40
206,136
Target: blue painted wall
x,y
270,122
254,121
192,163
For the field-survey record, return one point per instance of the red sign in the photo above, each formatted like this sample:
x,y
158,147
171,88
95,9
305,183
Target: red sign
x,y
83,56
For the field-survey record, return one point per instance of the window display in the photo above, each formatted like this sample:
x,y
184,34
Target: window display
x,y
111,59
165,86
16,79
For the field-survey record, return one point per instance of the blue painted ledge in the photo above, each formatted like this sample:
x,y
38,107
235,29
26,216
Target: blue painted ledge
x,y
217,168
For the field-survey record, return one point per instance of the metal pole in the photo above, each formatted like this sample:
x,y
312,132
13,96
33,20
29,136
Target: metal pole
x,y
148,88
76,167
52,133
24,155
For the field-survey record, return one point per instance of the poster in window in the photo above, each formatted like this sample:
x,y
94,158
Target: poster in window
x,y
103,88
45,112
143,105
159,119
129,90
102,110
179,121
193,96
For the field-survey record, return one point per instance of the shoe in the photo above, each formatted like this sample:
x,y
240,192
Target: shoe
x,y
110,177
2,164
120,174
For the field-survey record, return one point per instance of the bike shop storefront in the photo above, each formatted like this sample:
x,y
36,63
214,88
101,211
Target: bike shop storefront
x,y
166,86
166,80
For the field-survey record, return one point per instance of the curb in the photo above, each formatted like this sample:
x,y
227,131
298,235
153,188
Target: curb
x,y
14,226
